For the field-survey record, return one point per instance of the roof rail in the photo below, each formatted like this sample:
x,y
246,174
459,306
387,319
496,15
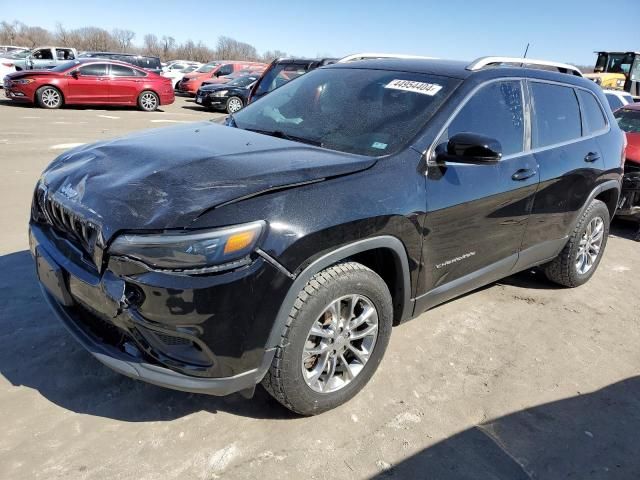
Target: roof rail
x,y
372,56
482,62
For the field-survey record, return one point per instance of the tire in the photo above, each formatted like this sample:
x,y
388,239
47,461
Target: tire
x,y
567,268
234,104
356,289
49,97
148,101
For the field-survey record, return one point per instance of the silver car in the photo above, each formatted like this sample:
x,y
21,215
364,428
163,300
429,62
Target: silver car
x,y
47,57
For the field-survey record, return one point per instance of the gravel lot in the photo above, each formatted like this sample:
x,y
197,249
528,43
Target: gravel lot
x,y
517,380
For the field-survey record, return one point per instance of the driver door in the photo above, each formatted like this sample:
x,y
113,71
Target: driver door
x,y
477,213
90,85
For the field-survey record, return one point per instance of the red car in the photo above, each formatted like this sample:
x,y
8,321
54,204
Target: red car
x,y
629,121
90,81
215,73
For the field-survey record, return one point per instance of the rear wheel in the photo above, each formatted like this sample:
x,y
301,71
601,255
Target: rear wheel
x,y
49,97
335,337
234,104
148,101
580,258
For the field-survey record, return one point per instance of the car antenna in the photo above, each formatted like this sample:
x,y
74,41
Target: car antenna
x,y
525,54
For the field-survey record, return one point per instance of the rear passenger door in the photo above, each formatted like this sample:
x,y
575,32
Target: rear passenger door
x,y
477,214
563,137
123,84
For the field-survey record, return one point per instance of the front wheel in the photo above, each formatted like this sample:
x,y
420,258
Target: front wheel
x,y
148,101
234,104
49,97
581,256
335,337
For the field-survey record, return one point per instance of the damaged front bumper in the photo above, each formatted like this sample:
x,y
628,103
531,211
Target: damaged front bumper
x,y
151,328
629,206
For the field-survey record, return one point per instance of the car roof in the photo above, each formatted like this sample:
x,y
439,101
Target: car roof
x,y
617,93
82,61
90,52
631,106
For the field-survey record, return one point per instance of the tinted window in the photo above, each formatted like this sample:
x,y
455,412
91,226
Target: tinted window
x,y
368,112
121,71
628,120
614,102
495,111
591,112
94,70
44,54
64,54
556,116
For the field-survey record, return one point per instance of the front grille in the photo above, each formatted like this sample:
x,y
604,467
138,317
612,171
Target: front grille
x,y
66,222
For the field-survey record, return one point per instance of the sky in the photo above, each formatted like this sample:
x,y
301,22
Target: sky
x,y
561,30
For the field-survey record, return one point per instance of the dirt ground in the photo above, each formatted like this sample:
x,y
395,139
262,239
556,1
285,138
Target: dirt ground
x,y
517,380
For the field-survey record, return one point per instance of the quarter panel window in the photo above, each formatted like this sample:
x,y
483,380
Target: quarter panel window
x,y
556,115
592,115
93,70
495,111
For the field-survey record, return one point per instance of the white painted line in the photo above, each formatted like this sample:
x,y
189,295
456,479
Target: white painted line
x,y
108,116
170,121
30,118
64,146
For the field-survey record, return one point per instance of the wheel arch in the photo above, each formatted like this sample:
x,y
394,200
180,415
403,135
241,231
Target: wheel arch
x,y
385,255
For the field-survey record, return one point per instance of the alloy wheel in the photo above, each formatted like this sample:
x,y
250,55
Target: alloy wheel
x,y
590,245
148,101
51,97
339,343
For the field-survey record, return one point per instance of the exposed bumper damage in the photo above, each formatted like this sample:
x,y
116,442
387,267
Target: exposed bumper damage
x,y
629,207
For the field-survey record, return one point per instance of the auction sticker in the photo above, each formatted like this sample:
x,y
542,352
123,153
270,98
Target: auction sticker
x,y
416,87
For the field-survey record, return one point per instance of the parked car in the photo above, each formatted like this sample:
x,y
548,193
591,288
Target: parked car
x,y
90,81
45,58
255,71
283,70
617,98
230,97
9,61
178,65
283,247
11,49
191,82
147,62
629,121
176,75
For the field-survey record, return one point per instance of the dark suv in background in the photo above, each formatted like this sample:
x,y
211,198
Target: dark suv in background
x,y
143,61
282,247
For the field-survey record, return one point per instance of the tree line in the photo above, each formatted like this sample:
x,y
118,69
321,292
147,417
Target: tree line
x,y
122,40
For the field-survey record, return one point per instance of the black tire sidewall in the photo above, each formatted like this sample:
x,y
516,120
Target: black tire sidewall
x,y
362,282
39,93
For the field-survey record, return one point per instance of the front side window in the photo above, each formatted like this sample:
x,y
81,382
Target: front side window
x,y
367,112
121,71
592,114
614,102
279,75
556,115
44,54
93,70
495,111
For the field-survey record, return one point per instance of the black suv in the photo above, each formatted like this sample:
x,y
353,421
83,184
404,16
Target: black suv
x,y
143,61
282,247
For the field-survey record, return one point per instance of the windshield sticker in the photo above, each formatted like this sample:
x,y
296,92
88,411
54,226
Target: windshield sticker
x,y
379,145
416,87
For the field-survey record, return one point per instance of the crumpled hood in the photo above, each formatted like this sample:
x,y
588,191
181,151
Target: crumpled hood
x,y
164,178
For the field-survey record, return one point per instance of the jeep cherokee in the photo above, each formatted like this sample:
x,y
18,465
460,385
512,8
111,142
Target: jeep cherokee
x,y
282,247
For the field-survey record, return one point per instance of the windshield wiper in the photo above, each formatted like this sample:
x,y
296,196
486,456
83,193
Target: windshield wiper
x,y
286,136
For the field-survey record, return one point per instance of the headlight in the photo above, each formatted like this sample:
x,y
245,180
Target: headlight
x,y
220,93
204,250
23,81
620,83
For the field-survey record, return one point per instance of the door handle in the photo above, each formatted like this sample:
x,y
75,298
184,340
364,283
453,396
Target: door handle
x,y
592,157
523,174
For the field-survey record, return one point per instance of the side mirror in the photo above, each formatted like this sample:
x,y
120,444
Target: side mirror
x,y
470,148
76,74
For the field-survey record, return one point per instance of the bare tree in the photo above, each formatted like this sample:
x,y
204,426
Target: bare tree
x,y
168,45
151,45
270,55
9,32
123,38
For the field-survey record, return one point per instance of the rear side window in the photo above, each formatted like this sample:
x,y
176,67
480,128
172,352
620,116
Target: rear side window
x,y
556,116
495,111
93,70
122,71
614,102
592,115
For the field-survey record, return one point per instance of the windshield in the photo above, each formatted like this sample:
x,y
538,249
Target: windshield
x,y
628,120
367,112
243,81
64,66
614,63
207,67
